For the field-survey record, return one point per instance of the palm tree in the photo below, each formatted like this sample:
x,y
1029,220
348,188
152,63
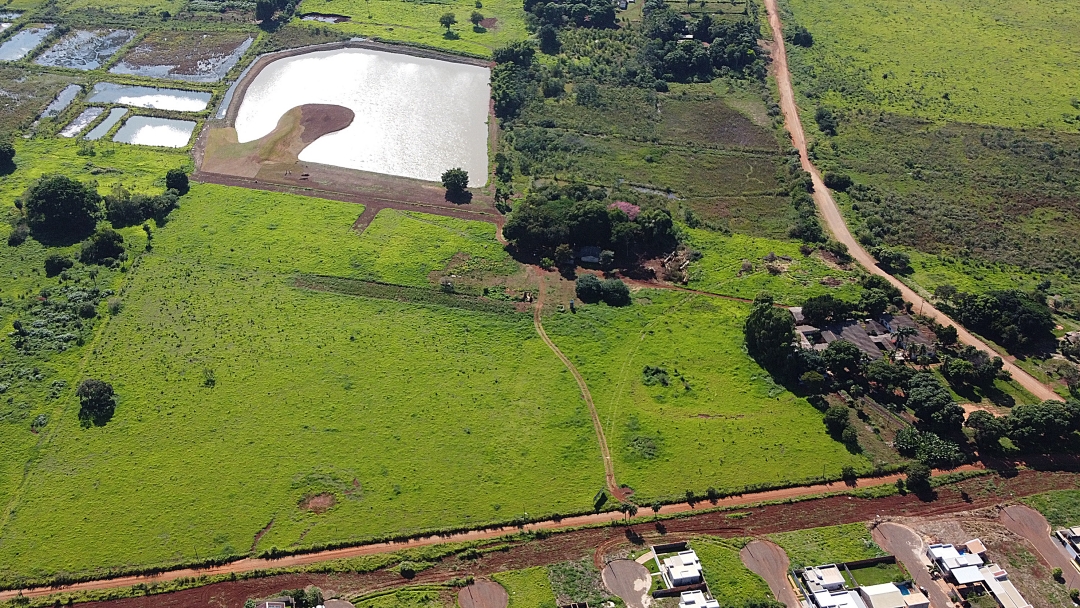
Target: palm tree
x,y
904,332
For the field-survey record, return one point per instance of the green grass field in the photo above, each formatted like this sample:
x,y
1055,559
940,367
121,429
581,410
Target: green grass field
x,y
1004,62
730,581
411,417
418,22
720,411
528,588
720,269
1061,508
403,248
833,544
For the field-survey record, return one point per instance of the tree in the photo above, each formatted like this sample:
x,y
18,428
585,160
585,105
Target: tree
x,y
893,261
7,154
586,94
1043,426
264,10
549,39
821,310
96,402
825,120
447,20
104,247
455,181
56,263
177,179
615,292
843,359
837,181
564,255
475,18
769,333
837,418
588,289
989,429
918,478
946,334
802,37
873,302
59,207
904,332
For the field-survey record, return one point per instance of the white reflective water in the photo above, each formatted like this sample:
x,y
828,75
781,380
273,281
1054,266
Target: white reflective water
x,y
150,131
62,101
103,127
85,49
149,97
76,126
415,117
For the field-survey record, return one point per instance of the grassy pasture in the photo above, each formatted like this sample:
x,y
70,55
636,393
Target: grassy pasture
x,y
832,544
720,411
730,581
1061,508
1003,62
315,393
418,22
404,248
529,588
720,269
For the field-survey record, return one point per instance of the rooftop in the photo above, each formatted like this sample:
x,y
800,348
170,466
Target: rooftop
x,y
696,599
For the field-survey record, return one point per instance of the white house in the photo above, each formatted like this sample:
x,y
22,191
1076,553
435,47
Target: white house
x,y
683,568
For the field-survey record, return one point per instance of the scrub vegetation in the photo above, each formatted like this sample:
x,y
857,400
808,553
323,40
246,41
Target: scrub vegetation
x,y
1061,508
730,581
528,588
829,545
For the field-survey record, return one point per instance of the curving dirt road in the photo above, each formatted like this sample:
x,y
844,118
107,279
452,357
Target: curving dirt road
x,y
909,548
770,562
835,221
609,468
1031,525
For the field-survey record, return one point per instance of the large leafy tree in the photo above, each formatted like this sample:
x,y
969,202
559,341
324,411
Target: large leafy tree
x,y
96,401
58,207
770,333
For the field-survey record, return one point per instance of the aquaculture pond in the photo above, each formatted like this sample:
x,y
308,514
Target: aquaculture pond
x,y
20,45
85,49
81,121
188,56
415,117
62,101
152,131
149,97
103,127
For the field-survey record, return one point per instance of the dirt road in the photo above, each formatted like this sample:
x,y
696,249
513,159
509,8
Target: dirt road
x,y
609,468
1031,525
830,212
908,547
771,563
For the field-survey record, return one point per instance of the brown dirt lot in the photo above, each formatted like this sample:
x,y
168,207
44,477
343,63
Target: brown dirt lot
x,y
319,503
970,494
483,594
183,49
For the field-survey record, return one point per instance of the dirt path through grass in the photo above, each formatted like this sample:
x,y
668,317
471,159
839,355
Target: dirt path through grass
x,y
609,468
830,212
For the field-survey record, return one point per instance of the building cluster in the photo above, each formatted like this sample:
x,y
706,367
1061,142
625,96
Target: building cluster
x,y
874,337
826,587
965,568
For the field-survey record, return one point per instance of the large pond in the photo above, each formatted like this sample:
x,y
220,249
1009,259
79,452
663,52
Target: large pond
x,y
151,131
19,45
149,97
85,49
103,127
415,117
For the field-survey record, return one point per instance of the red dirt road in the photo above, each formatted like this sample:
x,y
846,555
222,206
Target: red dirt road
x,y
771,563
835,221
1032,526
909,548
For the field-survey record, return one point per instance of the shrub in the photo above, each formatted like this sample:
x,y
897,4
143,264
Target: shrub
x,y
177,179
825,120
837,419
837,181
105,247
588,289
96,402
802,37
56,263
7,154
615,292
918,478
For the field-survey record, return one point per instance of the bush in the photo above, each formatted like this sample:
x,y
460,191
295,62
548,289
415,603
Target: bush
x,y
105,247
837,419
893,261
177,179
837,181
615,292
56,263
588,289
769,332
802,37
825,120
7,154
918,478
96,402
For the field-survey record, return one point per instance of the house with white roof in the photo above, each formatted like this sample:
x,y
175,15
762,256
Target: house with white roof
x,y
1070,539
826,588
888,595
681,569
957,564
1003,590
696,599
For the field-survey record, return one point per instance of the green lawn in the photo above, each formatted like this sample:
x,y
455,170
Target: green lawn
x,y
720,422
878,574
720,269
404,247
410,598
1061,507
730,581
418,22
411,417
833,544
1004,62
528,588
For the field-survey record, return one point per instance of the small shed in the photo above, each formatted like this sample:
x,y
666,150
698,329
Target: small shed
x,y
589,254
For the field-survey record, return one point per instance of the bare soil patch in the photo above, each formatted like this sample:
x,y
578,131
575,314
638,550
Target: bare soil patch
x,y
771,563
188,54
488,23
483,594
318,503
